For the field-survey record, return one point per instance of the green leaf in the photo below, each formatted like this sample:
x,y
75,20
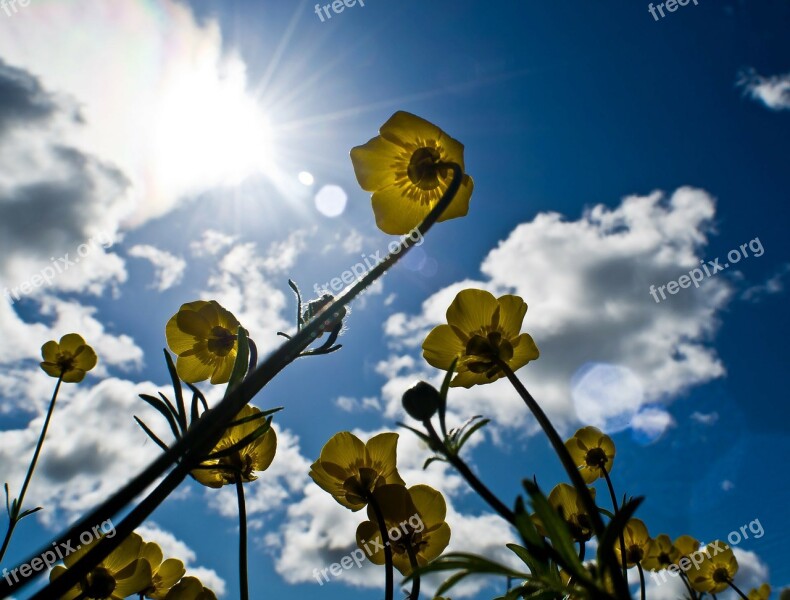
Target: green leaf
x,y
616,527
162,408
261,415
432,459
28,512
419,434
182,413
443,391
151,434
467,565
245,441
197,395
555,527
242,364
468,434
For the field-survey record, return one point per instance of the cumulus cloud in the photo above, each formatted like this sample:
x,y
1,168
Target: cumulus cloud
x,y
587,285
773,92
201,129
773,285
168,269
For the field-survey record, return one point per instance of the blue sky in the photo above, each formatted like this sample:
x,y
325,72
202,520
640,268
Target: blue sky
x,y
610,152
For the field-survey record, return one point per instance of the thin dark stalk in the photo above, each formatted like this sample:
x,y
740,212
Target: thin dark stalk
x,y
641,579
243,586
616,509
389,580
737,590
477,485
202,437
415,582
686,581
14,517
570,468
582,550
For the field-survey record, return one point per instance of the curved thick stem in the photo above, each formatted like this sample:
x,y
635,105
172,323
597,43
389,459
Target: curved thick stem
x,y
641,579
201,438
243,585
571,469
14,517
737,590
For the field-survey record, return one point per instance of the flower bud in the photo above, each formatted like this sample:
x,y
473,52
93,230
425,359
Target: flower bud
x,y
422,401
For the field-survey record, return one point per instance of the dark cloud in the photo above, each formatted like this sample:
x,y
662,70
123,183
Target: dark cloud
x,y
22,99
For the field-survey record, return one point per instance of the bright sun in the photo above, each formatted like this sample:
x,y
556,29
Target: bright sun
x,y
210,131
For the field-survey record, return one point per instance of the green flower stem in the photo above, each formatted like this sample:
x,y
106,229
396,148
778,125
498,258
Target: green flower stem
x,y
203,436
571,469
641,579
14,516
415,582
385,539
737,590
477,485
616,509
243,585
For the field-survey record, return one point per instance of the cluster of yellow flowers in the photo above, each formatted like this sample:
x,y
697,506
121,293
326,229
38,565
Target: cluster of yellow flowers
x,y
359,475
135,568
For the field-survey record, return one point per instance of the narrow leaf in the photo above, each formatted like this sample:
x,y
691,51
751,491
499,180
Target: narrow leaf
x,y
151,434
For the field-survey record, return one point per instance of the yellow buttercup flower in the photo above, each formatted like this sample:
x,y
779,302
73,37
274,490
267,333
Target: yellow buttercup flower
x,y
190,588
122,574
686,546
415,521
204,336
717,569
350,470
592,451
405,168
481,331
70,358
637,541
566,501
660,554
761,593
244,462
164,573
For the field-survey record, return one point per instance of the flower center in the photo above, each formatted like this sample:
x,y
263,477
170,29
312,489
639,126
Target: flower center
x,y
721,575
487,351
101,584
66,361
664,559
596,457
358,487
422,170
221,341
634,554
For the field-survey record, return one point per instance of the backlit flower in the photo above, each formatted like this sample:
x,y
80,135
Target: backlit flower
x,y
350,470
415,522
405,168
204,336
245,461
481,331
686,546
761,593
122,574
592,451
717,569
636,543
70,358
566,501
190,588
164,574
660,554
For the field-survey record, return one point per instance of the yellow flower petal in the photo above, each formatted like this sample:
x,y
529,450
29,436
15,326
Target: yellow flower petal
x,y
472,310
442,347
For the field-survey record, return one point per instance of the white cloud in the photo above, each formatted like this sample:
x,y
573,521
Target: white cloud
x,y
705,418
201,129
773,92
773,285
169,269
172,547
587,285
212,243
653,422
727,485
349,404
